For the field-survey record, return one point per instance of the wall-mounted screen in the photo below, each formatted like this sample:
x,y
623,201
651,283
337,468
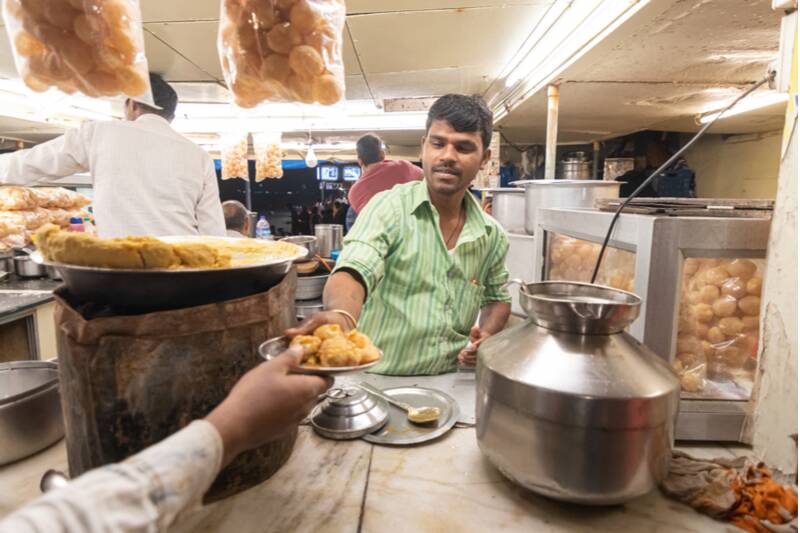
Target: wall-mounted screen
x,y
351,172
328,173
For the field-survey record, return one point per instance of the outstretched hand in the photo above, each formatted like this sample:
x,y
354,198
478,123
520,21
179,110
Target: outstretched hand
x,y
266,403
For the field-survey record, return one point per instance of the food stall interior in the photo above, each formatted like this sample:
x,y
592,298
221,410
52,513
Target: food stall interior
x,y
680,337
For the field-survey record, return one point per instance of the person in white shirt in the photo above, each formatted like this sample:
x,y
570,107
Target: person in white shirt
x,y
148,179
237,222
149,490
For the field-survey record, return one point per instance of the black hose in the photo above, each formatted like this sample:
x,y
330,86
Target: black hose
x,y
666,165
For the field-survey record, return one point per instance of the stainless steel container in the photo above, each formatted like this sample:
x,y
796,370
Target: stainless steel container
x,y
329,238
305,309
310,287
563,193
30,408
576,168
508,208
26,268
309,242
7,262
582,417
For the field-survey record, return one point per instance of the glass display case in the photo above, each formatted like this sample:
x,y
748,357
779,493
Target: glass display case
x,y
572,259
700,283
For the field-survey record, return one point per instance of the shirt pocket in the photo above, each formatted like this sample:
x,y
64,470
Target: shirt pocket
x,y
467,297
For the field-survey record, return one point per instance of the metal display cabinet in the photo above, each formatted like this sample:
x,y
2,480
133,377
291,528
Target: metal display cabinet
x,y
695,314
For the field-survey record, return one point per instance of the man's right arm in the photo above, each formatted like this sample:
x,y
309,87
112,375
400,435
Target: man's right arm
x,y
360,267
63,156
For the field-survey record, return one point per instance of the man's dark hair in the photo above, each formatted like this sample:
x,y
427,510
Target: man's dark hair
x,y
164,96
464,113
369,149
235,215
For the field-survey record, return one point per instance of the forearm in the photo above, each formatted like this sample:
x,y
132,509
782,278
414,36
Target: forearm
x,y
343,291
494,317
144,493
62,156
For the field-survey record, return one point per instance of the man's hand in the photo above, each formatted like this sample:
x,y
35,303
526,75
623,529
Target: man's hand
x,y
266,403
469,355
307,326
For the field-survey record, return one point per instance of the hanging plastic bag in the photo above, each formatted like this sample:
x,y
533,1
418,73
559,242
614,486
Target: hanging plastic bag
x,y
234,158
282,50
269,156
94,47
719,317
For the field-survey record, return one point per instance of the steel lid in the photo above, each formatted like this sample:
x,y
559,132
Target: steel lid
x,y
349,413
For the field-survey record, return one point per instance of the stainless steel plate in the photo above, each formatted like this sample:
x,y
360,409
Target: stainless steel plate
x,y
398,431
272,348
157,289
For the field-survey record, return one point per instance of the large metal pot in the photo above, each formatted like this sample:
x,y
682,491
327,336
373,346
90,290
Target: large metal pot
x,y
563,193
30,408
329,238
508,208
582,417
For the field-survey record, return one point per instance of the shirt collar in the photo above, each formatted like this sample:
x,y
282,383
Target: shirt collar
x,y
475,223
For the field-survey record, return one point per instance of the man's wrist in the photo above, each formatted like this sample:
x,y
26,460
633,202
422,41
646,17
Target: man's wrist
x,y
228,433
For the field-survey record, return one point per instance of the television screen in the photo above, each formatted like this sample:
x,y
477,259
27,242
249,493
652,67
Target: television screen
x,y
327,173
351,172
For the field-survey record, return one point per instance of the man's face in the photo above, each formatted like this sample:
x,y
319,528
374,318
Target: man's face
x,y
451,159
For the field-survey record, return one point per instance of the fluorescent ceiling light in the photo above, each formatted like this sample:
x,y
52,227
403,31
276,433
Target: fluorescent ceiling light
x,y
282,117
53,106
752,102
567,31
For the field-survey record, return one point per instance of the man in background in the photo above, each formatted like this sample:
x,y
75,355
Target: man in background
x,y
148,179
377,174
237,221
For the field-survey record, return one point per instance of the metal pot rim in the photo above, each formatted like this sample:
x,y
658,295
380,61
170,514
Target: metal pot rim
x,y
35,391
553,183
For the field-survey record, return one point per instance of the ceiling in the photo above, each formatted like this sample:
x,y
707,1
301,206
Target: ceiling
x,y
671,59
669,62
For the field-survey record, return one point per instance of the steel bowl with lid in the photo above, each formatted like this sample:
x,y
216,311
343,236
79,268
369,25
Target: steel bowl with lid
x,y
571,406
349,413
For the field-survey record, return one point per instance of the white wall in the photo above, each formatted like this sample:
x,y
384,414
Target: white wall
x,y
738,166
775,415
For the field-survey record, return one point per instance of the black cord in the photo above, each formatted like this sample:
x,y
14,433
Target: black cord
x,y
512,145
666,165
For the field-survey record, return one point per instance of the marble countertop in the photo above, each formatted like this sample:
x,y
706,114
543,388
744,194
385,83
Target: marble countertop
x,y
19,295
352,486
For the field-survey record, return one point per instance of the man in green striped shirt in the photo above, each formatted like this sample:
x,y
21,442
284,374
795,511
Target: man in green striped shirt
x,y
422,259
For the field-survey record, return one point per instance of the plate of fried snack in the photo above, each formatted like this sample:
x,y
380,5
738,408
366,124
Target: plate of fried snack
x,y
329,351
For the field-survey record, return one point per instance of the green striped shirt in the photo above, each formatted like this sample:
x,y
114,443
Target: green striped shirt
x,y
422,299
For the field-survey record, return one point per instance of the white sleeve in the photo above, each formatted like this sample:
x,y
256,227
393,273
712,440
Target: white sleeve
x,y
143,493
63,156
210,220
